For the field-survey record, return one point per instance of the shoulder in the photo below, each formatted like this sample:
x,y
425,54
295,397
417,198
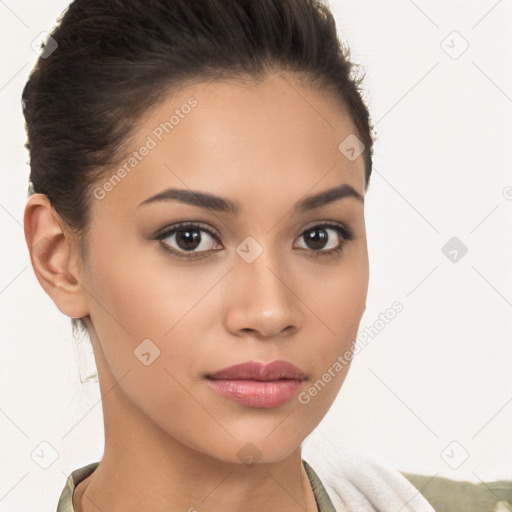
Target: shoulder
x,y
77,476
356,481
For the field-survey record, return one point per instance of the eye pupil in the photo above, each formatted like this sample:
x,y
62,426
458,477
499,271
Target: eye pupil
x,y
191,238
318,237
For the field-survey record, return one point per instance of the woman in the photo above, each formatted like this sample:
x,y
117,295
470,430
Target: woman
x,y
198,175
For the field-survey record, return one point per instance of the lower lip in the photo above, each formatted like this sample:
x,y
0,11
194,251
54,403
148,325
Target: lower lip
x,y
254,393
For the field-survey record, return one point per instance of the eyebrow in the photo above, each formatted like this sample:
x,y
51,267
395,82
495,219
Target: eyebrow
x,y
223,205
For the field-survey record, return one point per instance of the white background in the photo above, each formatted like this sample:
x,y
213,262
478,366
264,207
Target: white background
x,y
440,371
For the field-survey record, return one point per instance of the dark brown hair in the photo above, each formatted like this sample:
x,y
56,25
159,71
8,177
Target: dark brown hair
x,y
113,60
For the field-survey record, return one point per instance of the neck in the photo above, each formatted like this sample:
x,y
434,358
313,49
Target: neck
x,y
144,468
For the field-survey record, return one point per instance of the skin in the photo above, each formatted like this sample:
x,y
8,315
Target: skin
x,y
171,443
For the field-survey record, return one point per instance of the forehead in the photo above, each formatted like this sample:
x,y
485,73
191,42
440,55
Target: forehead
x,y
239,139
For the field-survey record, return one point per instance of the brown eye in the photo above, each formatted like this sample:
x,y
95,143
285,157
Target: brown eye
x,y
188,240
317,238
326,239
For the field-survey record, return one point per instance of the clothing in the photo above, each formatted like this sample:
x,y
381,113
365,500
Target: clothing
x,y
356,482
356,485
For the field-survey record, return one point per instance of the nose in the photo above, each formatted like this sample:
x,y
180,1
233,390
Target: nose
x,y
261,300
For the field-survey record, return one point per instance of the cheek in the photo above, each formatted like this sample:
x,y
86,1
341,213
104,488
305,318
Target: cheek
x,y
337,309
337,298
145,315
337,306
140,292
139,296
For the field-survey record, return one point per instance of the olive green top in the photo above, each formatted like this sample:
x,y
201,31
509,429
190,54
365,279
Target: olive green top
x,y
65,504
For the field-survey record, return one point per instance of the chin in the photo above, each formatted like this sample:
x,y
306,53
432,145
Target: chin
x,y
258,448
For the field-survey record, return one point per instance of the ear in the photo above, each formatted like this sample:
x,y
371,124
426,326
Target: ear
x,y
54,256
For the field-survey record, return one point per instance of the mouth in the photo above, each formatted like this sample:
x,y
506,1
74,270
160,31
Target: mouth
x,y
257,384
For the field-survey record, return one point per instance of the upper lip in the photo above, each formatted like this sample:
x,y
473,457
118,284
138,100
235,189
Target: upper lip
x,y
254,370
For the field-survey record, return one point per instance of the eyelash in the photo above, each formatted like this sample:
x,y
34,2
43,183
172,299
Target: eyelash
x,y
345,233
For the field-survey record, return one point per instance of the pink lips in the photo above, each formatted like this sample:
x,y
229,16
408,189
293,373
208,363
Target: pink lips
x,y
257,384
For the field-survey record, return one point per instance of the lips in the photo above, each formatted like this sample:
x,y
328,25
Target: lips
x,y
253,370
257,384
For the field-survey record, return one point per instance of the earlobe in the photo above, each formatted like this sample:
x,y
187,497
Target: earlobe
x,y
52,256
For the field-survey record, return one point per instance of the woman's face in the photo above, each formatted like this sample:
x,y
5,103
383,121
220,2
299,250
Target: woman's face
x,y
250,281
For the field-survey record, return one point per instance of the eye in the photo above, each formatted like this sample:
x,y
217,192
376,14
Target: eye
x,y
331,236
194,241
189,238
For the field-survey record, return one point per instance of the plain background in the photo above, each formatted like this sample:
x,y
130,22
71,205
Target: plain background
x,y
431,392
